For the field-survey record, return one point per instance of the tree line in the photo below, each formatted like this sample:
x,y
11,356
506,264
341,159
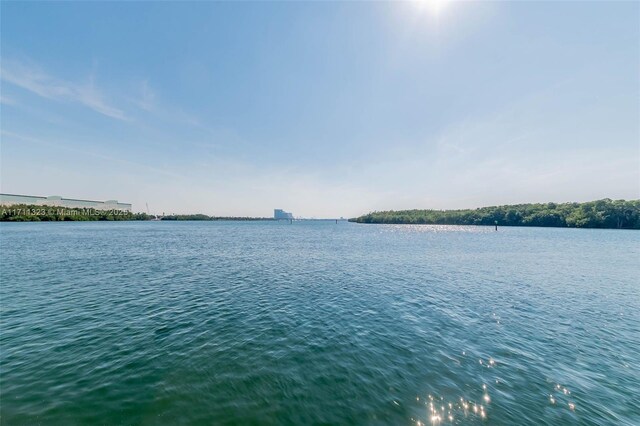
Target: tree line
x,y
606,213
205,217
39,213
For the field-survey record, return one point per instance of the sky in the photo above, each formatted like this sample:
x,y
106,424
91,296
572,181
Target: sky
x,y
324,109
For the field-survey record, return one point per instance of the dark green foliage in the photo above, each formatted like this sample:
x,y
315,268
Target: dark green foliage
x,y
187,217
619,214
34,213
205,217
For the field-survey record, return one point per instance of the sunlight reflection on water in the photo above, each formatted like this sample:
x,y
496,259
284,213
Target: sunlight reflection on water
x,y
435,228
262,323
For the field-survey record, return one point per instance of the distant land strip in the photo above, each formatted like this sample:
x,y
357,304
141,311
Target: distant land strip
x,y
606,213
43,213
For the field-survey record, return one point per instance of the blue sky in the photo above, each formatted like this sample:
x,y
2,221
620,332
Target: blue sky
x,y
325,109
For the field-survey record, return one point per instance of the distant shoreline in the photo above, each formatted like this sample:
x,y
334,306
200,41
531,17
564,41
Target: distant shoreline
x,y
45,213
603,214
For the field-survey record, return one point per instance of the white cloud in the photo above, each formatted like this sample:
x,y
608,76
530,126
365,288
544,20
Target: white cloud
x,y
36,81
128,164
146,100
5,100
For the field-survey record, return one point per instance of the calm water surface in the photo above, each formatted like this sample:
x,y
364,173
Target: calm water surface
x,y
313,322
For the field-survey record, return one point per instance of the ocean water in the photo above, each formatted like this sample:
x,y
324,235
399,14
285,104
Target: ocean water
x,y
317,323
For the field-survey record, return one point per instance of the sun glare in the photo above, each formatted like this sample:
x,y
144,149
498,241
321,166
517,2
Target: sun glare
x,y
433,7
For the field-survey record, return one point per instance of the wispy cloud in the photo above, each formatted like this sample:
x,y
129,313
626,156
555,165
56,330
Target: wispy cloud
x,y
146,99
5,100
39,82
133,165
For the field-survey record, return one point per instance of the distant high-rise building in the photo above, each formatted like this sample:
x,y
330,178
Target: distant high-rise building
x,y
281,214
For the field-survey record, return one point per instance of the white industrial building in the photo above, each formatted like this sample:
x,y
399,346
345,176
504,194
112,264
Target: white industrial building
x,y
57,201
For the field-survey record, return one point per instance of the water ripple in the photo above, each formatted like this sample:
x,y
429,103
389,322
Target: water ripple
x,y
266,323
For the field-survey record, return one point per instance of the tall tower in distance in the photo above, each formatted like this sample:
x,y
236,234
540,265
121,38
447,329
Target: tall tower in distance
x,y
281,214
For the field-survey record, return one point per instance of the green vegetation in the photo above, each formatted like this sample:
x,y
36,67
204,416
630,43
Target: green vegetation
x,y
35,213
619,214
205,217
